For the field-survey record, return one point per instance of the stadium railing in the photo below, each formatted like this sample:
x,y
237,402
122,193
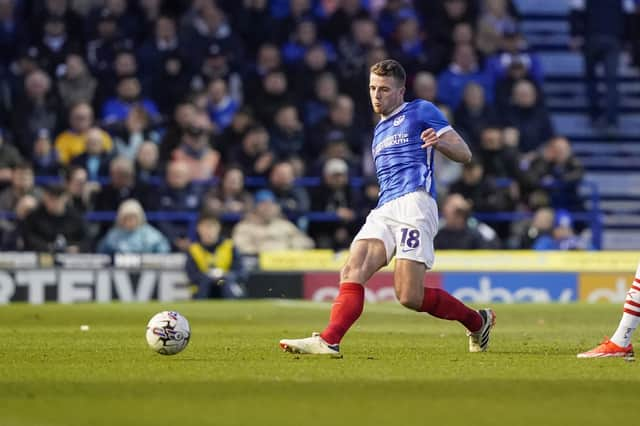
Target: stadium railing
x,y
593,217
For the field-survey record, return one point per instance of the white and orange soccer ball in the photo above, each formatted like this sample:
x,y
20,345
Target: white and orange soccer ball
x,y
168,333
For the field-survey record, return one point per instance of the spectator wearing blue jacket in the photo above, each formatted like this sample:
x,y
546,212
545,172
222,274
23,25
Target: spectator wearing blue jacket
x,y
463,69
129,94
132,233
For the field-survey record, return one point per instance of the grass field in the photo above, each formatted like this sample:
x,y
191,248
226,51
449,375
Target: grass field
x,y
399,368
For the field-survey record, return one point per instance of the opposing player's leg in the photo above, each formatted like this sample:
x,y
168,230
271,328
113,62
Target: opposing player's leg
x,y
620,343
409,286
365,258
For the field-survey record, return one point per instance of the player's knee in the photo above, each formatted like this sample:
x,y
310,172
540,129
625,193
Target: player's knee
x,y
351,273
409,299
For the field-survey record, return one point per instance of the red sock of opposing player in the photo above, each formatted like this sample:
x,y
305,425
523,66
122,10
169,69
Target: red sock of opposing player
x,y
441,304
345,311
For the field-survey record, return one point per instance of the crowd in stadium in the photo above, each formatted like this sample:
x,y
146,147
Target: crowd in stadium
x,y
218,108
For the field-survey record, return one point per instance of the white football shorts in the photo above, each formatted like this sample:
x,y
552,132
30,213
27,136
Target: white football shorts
x,y
406,225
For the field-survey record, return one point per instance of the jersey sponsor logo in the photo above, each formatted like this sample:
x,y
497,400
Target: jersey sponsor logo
x,y
395,139
398,120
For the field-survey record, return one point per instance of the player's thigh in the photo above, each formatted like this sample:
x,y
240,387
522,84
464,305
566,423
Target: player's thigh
x,y
365,258
408,282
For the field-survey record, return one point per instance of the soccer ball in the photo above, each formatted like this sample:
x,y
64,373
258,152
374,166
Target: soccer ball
x,y
168,333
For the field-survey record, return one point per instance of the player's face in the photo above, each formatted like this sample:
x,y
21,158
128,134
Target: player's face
x,y
386,93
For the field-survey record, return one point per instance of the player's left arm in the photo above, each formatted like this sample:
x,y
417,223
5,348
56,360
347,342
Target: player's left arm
x,y
449,143
440,135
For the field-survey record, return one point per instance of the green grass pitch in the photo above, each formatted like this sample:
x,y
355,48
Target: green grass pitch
x,y
399,368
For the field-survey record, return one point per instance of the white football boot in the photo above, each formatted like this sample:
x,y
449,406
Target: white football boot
x,y
479,341
314,345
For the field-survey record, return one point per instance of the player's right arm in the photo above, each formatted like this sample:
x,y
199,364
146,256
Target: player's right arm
x,y
449,143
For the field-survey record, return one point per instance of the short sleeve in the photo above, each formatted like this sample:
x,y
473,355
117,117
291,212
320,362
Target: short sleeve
x,y
433,118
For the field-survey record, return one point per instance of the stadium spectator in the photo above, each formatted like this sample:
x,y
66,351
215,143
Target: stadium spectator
x,y
441,18
106,40
527,232
598,28
22,183
205,23
73,141
136,129
254,24
342,18
123,65
335,195
292,199
12,232
81,191
300,40
463,69
412,48
265,229
218,64
455,232
514,51
474,114
562,235
119,12
287,135
527,115
147,163
353,47
76,84
163,44
213,263
41,11
9,158
221,106
483,193
128,96
132,233
298,10
195,149
559,172
178,194
121,186
316,106
232,136
37,109
54,226
493,23
340,124
55,45
170,82
95,160
315,63
274,92
230,196
425,87
268,59
253,155
13,33
183,114
46,161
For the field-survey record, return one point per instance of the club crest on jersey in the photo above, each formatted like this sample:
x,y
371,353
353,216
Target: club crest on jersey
x,y
398,120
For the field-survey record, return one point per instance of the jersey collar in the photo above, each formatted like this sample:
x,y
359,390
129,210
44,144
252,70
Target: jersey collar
x,y
394,112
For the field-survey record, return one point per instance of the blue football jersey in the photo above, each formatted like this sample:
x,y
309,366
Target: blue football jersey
x,y
402,166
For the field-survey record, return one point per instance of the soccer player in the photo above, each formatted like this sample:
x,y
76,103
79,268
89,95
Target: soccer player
x,y
405,220
620,344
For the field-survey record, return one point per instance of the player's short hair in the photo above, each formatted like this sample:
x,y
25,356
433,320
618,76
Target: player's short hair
x,y
390,68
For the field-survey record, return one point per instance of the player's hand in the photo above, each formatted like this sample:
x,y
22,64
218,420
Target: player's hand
x,y
429,138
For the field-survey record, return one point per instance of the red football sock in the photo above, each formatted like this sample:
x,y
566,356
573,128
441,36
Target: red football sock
x,y
345,311
441,304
